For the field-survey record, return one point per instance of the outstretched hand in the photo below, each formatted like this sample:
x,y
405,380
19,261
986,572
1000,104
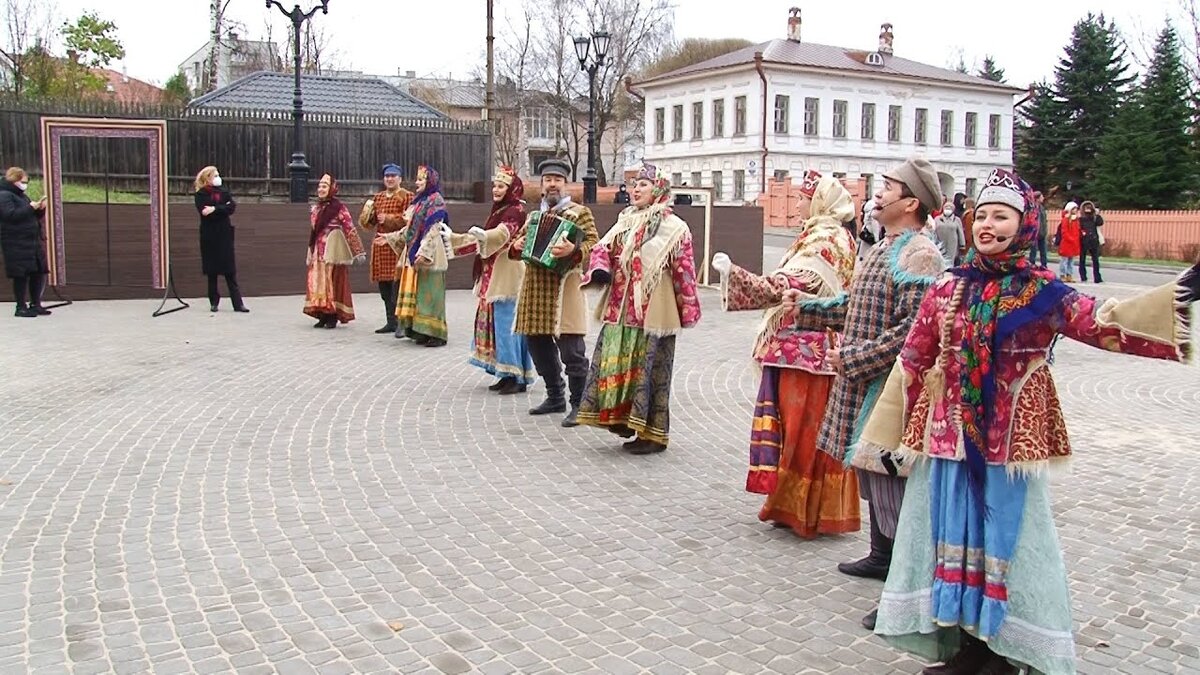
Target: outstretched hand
x,y
721,263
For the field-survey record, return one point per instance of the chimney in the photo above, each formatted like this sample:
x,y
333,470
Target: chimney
x,y
125,73
410,74
885,39
793,34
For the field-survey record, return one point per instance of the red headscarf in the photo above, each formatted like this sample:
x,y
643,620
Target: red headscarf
x,y
328,210
509,208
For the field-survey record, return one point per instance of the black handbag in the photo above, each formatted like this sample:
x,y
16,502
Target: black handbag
x,y
866,236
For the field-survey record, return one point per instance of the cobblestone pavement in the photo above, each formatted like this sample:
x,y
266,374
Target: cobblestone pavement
x,y
214,493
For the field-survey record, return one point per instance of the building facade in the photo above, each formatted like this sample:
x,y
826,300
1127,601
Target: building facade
x,y
775,109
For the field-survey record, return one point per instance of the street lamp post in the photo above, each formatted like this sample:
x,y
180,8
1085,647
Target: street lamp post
x,y
298,169
583,50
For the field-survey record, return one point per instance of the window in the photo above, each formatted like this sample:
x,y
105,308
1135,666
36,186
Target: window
x,y
994,132
677,123
840,112
739,116
739,185
781,174
868,121
919,130
969,130
695,179
718,180
541,124
894,113
782,103
719,118
660,125
972,183
947,127
676,179
869,181
812,109
697,121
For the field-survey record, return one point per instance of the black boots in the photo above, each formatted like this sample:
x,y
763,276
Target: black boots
x,y
973,658
875,565
555,402
576,383
25,312
510,386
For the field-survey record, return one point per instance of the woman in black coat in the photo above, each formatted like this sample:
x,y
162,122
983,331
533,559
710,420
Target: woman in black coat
x,y
216,205
23,242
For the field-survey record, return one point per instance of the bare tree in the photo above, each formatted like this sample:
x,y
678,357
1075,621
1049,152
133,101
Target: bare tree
x,y
27,24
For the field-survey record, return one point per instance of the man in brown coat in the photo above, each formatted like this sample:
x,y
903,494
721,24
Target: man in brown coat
x,y
551,309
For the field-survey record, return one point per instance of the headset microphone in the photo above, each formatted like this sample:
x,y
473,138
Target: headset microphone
x,y
1001,238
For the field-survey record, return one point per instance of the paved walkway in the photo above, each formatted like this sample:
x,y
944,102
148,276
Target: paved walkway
x,y
215,493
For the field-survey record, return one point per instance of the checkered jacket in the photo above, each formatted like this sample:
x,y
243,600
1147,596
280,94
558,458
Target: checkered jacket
x,y
884,297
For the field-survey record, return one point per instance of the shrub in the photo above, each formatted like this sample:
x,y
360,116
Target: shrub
x,y
1116,248
1190,253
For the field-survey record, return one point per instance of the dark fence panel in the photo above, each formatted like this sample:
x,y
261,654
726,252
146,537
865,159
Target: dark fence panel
x,y
253,150
108,250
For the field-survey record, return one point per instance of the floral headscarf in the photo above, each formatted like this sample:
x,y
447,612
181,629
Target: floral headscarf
x,y
822,235
428,209
1002,293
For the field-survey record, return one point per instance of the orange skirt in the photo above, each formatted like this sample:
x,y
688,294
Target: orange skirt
x,y
328,292
814,494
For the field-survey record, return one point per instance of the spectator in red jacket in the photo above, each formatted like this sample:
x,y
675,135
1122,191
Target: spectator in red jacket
x,y
1068,242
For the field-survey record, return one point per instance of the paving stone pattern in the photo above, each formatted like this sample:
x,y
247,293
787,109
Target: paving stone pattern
x,y
215,493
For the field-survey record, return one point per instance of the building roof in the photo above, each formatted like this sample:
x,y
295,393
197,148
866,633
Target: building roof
x,y
454,93
812,55
121,87
322,94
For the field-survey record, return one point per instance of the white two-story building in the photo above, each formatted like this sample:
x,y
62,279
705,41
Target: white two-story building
x,y
778,108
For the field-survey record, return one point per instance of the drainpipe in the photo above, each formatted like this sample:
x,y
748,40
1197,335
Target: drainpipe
x,y
762,74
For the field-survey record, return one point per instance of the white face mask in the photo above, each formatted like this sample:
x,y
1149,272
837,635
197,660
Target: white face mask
x,y
23,185
216,181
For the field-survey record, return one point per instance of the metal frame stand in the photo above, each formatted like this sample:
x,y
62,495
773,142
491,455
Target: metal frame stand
x,y
169,293
62,302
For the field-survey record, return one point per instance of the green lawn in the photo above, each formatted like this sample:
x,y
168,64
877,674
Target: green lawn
x,y
86,194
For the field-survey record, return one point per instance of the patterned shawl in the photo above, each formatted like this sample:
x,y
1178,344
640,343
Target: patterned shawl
x,y
428,209
509,208
329,209
1002,293
642,277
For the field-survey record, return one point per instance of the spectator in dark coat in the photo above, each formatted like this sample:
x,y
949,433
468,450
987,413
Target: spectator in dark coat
x,y
1039,246
1090,222
622,196
23,242
216,205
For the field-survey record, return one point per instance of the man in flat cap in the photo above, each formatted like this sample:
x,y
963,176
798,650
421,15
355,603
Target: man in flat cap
x,y
875,317
551,309
384,213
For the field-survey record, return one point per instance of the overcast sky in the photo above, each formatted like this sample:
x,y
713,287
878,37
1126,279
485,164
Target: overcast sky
x,y
446,37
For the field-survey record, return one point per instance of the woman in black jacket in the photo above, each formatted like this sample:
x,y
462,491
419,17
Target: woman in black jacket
x,y
216,205
23,242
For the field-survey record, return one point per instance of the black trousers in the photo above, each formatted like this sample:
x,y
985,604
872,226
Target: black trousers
x,y
387,291
552,355
27,290
1090,246
1039,246
214,295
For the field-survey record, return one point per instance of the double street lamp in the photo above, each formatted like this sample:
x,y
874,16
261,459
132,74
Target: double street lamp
x,y
298,169
583,50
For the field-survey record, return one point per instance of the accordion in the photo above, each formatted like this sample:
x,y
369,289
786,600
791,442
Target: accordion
x,y
546,230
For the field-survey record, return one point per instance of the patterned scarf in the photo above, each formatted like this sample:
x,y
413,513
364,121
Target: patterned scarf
x,y
428,209
656,211
510,207
329,209
1003,292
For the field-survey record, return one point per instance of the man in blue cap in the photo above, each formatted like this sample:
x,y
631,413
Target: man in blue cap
x,y
386,212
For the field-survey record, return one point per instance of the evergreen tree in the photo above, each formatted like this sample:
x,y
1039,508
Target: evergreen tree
x,y
1170,158
1147,159
1121,181
177,88
1091,84
990,71
1040,137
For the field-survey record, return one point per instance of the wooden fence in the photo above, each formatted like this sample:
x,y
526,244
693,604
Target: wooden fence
x,y
253,148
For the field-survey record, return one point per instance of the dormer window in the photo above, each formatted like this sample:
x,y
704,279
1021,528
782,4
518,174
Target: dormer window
x,y
874,59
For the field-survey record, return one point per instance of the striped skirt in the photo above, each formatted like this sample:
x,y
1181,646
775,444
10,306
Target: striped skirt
x,y
421,303
328,292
